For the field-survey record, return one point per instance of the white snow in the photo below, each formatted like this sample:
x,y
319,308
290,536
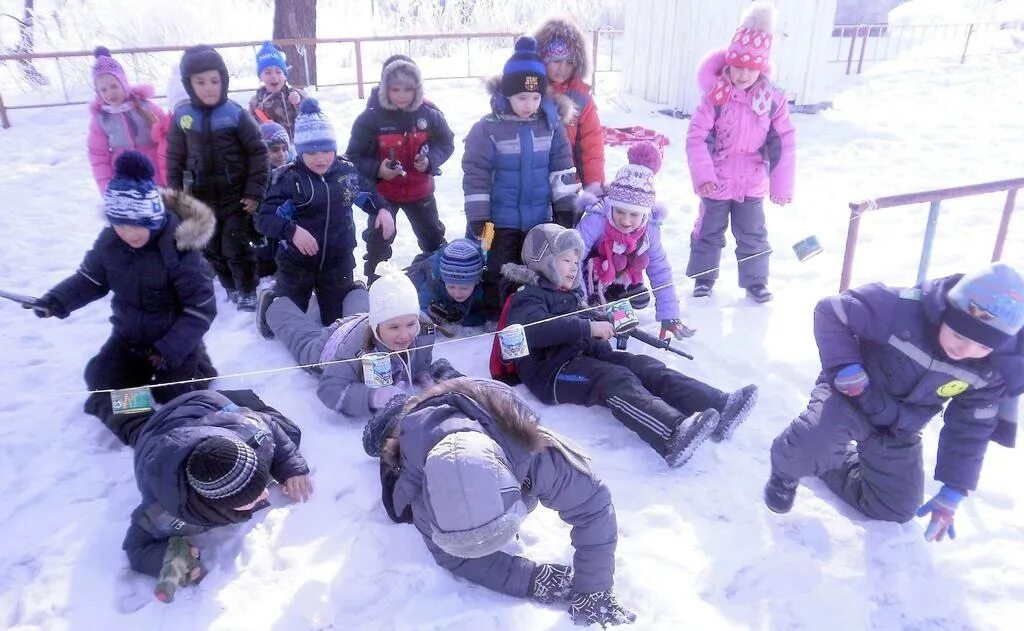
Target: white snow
x,y
697,548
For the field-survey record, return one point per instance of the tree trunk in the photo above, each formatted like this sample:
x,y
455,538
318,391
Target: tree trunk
x,y
294,19
27,44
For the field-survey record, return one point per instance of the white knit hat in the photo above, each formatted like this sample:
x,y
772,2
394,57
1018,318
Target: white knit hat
x,y
391,295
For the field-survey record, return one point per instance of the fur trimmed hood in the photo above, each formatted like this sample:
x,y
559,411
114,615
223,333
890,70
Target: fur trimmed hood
x,y
712,67
565,108
196,219
404,65
564,27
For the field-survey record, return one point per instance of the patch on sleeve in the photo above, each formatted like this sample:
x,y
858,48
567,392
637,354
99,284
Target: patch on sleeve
x,y
952,388
910,293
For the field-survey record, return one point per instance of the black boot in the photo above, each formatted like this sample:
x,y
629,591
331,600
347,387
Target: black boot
x,y
779,493
689,435
736,410
262,304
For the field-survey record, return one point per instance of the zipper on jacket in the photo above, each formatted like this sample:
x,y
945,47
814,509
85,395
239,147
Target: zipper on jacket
x,y
327,224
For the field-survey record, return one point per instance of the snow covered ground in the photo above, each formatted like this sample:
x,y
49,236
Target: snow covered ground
x,y
697,548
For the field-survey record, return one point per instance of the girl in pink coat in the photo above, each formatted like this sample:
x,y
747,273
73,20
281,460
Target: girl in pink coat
x,y
123,118
740,147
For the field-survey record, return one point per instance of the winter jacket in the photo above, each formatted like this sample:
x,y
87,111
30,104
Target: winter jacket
x,y
341,387
746,153
221,153
426,276
550,469
161,454
508,163
380,134
266,106
322,204
141,128
163,291
893,333
592,228
554,343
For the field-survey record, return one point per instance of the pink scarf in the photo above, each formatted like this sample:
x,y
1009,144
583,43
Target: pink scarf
x,y
616,255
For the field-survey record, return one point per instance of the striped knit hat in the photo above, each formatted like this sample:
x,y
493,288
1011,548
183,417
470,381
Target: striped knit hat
x,y
132,197
226,472
751,46
461,263
313,130
274,134
524,71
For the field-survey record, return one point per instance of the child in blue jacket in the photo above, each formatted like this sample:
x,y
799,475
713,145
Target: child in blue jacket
x,y
448,284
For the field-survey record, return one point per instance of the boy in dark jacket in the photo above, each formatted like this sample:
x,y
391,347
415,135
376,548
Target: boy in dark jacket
x,y
448,284
515,161
203,461
163,295
309,209
215,152
571,361
891,359
400,142
467,462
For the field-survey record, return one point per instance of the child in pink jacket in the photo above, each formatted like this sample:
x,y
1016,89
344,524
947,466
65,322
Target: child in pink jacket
x,y
740,146
123,117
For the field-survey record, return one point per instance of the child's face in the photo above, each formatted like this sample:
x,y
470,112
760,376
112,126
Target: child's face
x,y
399,332
560,70
273,79
318,161
627,220
278,154
206,85
135,236
110,89
958,347
525,104
567,266
251,505
743,78
401,95
459,293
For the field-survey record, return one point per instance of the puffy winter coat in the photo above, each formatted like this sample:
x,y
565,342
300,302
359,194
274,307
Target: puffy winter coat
x,y
141,128
893,333
592,228
509,160
322,204
221,153
746,146
268,106
551,471
169,507
163,291
380,134
426,276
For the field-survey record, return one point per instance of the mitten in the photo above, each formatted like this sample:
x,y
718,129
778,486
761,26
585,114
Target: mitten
x,y
551,582
379,427
599,607
676,329
47,307
851,380
442,370
942,508
379,397
156,360
440,314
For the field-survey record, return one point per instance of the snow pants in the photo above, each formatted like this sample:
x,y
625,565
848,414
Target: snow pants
x,y
333,288
506,247
708,239
644,394
881,475
231,252
304,338
426,225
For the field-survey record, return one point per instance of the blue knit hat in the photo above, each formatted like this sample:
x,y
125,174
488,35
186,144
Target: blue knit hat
x,y
461,263
524,71
313,130
987,306
131,197
269,56
274,134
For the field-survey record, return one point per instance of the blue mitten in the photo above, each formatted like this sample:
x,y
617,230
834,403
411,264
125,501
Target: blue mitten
x,y
942,508
851,380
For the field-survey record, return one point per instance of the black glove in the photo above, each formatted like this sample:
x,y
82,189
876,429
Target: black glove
x,y
47,307
599,607
550,583
443,315
476,229
442,370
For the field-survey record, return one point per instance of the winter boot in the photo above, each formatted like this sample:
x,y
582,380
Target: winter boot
x,y
262,305
232,295
703,287
442,370
779,493
379,427
737,407
689,435
247,302
759,293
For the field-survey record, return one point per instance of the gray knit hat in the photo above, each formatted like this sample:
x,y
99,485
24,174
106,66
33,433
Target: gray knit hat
x,y
546,241
226,472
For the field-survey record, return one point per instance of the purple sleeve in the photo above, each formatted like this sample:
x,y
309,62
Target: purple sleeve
x,y
659,271
782,176
591,227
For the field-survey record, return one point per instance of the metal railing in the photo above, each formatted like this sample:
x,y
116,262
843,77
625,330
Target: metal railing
x,y
934,199
859,43
340,63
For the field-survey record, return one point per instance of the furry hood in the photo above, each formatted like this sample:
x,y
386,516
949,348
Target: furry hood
x,y
589,203
565,108
137,93
712,67
564,27
520,274
196,220
403,65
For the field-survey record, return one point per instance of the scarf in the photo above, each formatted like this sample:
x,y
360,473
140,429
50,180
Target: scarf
x,y
616,255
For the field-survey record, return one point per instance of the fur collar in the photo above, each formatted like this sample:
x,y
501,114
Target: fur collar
x,y
564,106
196,219
564,27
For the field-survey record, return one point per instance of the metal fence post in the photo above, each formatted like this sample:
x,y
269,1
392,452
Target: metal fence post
x,y
359,69
3,114
853,43
593,62
1004,223
967,42
852,231
863,46
929,237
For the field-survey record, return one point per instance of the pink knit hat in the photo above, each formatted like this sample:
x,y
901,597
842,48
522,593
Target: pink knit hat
x,y
751,46
105,64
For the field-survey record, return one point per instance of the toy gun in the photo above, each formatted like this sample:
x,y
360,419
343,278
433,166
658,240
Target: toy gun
x,y
25,301
176,570
651,340
620,313
395,164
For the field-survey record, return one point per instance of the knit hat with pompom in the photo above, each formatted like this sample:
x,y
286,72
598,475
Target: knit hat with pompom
x,y
751,45
313,130
105,64
132,197
633,187
524,71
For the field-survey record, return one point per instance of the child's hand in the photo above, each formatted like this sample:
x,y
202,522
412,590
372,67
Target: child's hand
x,y
706,189
197,571
385,223
387,173
298,487
780,201
294,98
304,241
249,205
421,163
602,330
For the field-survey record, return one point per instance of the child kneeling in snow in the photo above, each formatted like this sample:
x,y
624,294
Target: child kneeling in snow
x,y
571,361
392,326
466,463
202,462
449,286
622,238
891,359
163,294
